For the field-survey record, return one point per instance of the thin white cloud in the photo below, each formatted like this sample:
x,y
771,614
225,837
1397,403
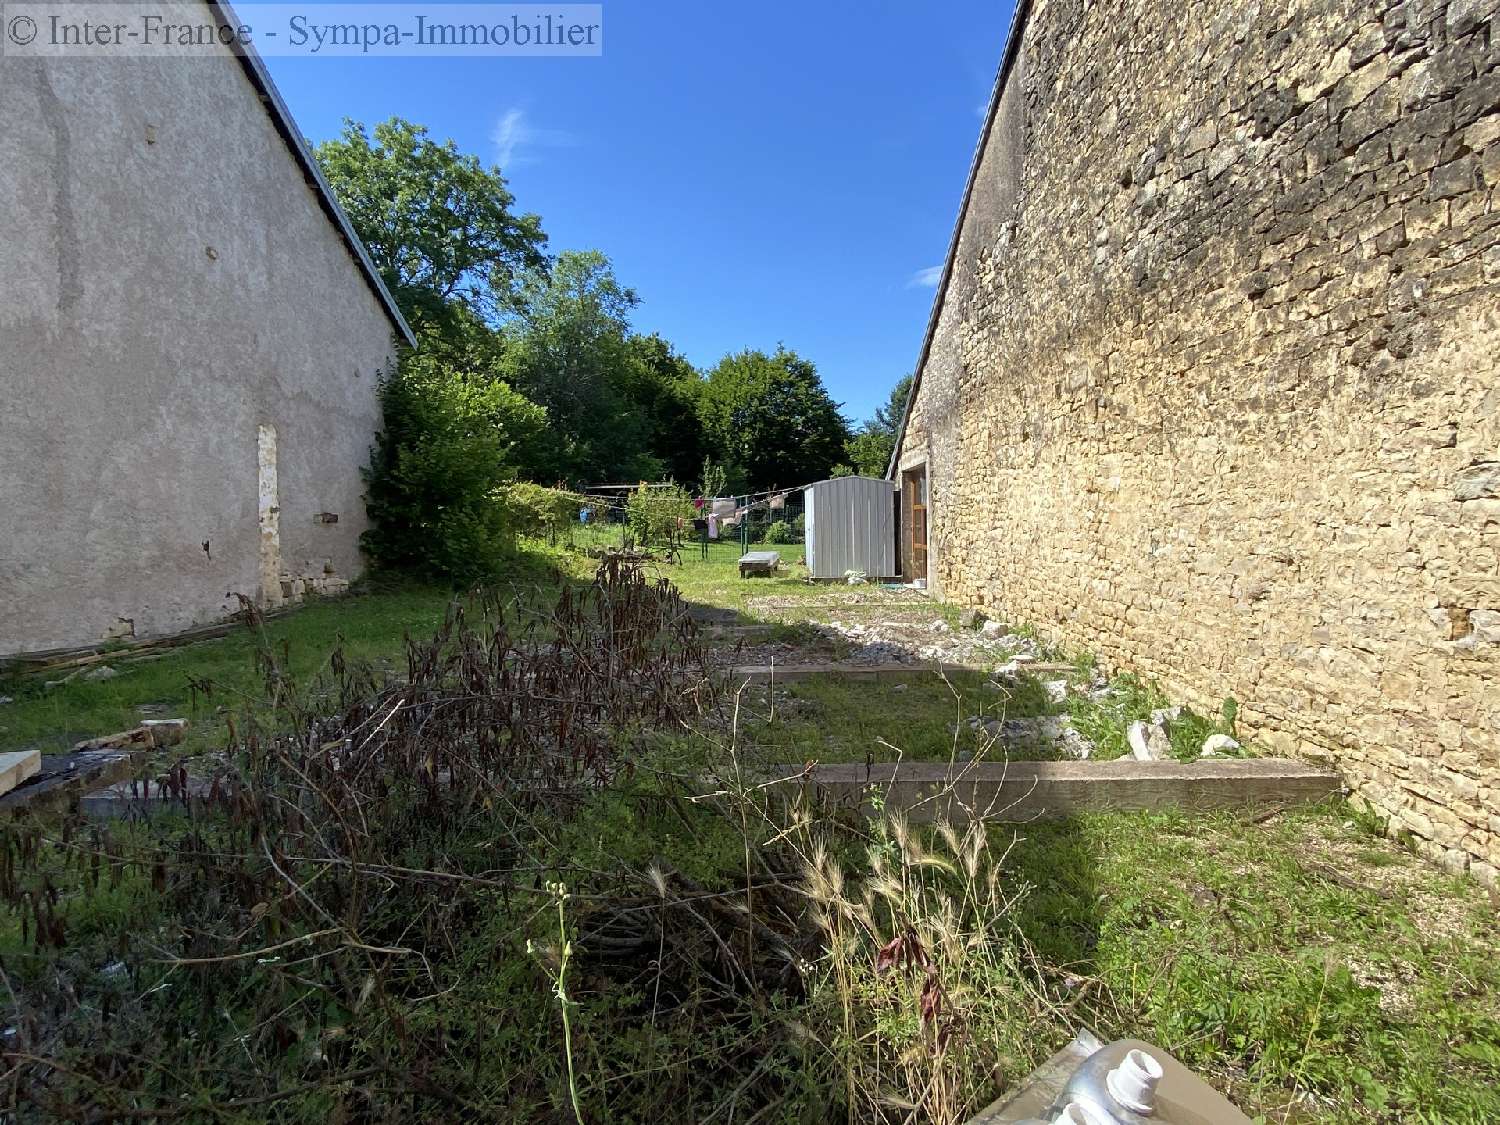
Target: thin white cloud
x,y
516,139
926,279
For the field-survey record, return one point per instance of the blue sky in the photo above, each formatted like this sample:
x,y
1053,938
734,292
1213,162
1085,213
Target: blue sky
x,y
759,173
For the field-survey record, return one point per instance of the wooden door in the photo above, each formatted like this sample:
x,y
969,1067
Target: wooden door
x,y
914,495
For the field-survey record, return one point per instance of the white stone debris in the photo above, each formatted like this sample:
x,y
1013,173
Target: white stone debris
x,y
1057,690
1216,744
1146,741
1045,732
908,642
99,674
1160,744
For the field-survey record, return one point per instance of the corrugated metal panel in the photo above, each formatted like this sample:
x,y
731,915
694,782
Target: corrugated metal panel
x,y
851,525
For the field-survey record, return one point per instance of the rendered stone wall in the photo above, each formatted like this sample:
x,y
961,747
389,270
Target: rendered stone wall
x,y
1215,387
170,292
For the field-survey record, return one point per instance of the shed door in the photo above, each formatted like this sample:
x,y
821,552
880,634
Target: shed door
x,y
914,503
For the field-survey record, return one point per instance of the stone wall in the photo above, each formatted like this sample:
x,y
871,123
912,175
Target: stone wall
x,y
1213,390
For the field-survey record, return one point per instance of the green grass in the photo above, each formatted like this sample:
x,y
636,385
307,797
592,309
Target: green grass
x,y
1309,988
208,681
838,719
1104,721
370,626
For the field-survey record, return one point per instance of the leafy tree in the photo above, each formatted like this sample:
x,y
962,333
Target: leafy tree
x,y
439,226
667,390
715,478
434,489
888,416
770,417
655,514
868,451
569,351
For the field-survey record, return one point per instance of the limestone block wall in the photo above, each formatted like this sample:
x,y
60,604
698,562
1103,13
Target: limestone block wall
x,y
1214,388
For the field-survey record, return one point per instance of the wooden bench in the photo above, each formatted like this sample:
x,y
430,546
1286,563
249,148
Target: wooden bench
x,y
759,562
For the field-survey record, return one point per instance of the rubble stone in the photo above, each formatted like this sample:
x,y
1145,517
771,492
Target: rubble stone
x,y
1212,387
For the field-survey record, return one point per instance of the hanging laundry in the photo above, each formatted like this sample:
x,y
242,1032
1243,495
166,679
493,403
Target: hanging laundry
x,y
713,526
778,502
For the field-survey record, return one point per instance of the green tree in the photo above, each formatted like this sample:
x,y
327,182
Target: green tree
x,y
771,418
667,391
868,450
448,444
655,514
440,227
569,351
715,478
888,416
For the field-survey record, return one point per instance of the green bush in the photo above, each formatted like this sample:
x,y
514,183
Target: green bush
x,y
534,509
435,488
653,513
778,531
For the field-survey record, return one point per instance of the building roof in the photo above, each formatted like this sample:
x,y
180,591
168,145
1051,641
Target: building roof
x,y
281,117
1002,76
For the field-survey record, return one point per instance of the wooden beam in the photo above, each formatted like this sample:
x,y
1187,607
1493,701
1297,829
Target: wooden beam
x,y
785,673
1023,791
16,768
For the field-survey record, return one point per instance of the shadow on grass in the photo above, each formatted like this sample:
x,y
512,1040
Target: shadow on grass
x,y
208,680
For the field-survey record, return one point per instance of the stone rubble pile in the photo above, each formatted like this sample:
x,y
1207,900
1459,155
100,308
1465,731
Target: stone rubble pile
x,y
1045,732
904,642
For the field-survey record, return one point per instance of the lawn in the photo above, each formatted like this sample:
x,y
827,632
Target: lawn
x,y
208,680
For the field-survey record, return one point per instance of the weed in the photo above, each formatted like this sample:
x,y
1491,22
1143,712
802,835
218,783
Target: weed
x,y
1104,719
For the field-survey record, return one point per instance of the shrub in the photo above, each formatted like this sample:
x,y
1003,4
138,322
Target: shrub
x,y
715,478
434,488
653,513
778,531
534,509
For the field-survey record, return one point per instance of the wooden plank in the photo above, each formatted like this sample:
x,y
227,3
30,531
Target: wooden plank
x,y
1024,791
17,767
785,673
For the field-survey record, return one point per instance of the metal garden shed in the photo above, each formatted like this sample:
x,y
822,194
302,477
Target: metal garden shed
x,y
851,525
